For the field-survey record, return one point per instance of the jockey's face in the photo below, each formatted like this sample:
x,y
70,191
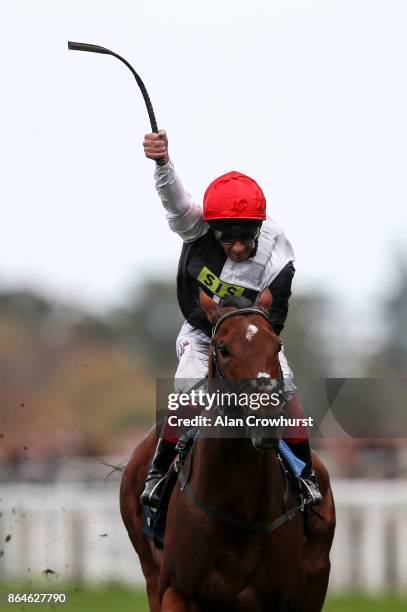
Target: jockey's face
x,y
238,251
237,237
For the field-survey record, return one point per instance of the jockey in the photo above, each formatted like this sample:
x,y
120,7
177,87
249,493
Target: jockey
x,y
230,248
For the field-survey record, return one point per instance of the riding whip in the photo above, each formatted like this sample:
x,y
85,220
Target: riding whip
x,y
75,46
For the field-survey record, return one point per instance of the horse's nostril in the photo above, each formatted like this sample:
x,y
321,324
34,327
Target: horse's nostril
x,y
264,381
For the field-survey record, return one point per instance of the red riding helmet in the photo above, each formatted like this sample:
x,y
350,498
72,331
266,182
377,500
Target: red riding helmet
x,y
234,196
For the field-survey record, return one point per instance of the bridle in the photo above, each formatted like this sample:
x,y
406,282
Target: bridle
x,y
235,313
215,354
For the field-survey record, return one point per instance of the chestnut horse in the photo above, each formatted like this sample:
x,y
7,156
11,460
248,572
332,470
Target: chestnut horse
x,y
226,547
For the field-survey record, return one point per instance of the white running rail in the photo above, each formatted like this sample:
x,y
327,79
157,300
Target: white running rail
x,y
77,532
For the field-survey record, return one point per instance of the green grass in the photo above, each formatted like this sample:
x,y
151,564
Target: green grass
x,y
119,599
362,603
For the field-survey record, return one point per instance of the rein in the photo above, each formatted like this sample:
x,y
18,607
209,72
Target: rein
x,y
232,519
289,514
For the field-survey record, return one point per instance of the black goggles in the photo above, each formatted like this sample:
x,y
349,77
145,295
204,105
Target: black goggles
x,y
231,236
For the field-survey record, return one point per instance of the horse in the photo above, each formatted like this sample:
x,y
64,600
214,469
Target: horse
x,y
232,543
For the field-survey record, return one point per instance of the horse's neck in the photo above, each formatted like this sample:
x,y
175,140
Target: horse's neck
x,y
232,474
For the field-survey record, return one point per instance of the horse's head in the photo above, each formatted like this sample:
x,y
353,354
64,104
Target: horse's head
x,y
244,344
245,347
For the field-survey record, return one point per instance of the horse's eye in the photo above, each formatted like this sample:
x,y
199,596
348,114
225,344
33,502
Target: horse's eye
x,y
223,350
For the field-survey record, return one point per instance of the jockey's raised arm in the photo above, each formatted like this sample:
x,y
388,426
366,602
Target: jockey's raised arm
x,y
184,215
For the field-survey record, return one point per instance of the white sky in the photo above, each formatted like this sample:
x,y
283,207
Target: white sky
x,y
308,97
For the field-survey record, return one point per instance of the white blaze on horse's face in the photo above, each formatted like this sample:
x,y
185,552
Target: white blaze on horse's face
x,y
264,382
251,331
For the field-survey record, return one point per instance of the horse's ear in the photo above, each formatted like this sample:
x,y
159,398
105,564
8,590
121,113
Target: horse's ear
x,y
208,304
265,299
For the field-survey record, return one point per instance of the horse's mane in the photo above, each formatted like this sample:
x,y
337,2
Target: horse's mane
x,y
199,319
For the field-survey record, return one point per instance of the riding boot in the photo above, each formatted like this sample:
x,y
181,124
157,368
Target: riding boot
x,y
163,456
308,480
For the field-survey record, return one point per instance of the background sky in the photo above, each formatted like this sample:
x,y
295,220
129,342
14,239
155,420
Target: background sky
x,y
308,97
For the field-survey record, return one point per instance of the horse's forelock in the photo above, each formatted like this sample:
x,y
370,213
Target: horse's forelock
x,y
239,302
199,319
234,301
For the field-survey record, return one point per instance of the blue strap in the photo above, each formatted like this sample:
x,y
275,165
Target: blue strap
x,y
296,465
